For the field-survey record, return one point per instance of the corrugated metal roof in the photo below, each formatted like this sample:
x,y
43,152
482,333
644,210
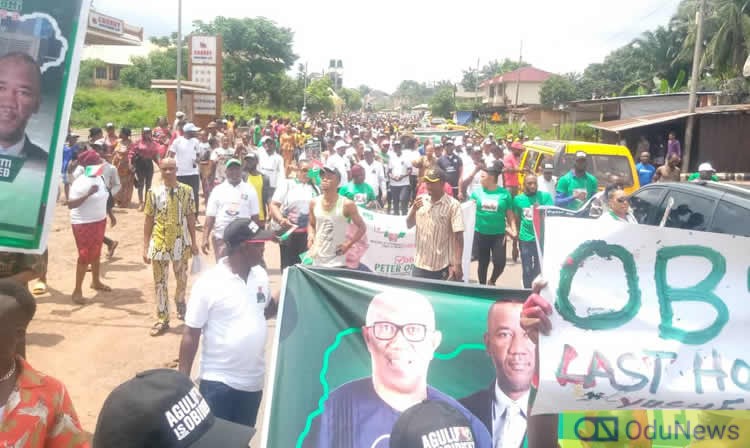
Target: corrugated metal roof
x,y
647,120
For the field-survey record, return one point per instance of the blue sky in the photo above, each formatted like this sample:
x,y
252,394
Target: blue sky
x,y
384,42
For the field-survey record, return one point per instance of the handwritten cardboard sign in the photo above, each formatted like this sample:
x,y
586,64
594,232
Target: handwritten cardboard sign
x,y
644,318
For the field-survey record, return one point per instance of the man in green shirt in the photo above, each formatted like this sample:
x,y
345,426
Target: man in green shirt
x,y
577,186
358,190
523,205
493,216
705,172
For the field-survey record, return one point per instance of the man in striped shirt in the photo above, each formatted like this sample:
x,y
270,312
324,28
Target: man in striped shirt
x,y
440,231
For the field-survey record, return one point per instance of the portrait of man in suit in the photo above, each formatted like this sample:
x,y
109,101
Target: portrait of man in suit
x,y
23,164
20,98
503,405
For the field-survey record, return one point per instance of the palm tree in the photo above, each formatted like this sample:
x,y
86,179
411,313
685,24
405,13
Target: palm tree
x,y
726,34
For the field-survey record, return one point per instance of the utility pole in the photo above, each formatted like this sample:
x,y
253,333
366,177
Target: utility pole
x,y
518,77
476,86
179,55
304,92
695,77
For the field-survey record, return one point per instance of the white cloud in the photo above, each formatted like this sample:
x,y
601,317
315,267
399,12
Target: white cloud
x,y
382,43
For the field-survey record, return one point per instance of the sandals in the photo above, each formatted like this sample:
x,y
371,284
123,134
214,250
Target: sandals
x,y
112,249
159,328
101,287
39,288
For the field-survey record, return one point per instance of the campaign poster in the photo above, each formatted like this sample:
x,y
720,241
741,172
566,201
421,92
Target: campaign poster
x,y
40,46
392,244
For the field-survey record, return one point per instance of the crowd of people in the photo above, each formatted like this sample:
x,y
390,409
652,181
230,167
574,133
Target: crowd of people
x,y
301,186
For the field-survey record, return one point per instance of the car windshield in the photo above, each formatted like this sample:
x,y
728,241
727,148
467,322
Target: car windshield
x,y
603,167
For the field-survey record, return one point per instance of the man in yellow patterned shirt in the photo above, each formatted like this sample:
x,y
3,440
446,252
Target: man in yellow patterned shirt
x,y
169,236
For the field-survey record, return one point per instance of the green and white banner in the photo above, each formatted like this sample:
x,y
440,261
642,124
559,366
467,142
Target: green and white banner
x,y
336,381
392,246
40,45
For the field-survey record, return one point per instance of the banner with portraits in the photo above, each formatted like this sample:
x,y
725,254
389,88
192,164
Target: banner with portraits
x,y
392,245
348,344
40,46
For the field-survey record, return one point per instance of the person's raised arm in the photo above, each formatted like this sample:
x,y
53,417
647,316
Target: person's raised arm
x,y
541,430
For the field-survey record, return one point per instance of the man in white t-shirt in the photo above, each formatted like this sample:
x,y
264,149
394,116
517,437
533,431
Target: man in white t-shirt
x,y
339,161
374,175
219,158
228,307
399,169
548,182
186,151
230,200
271,163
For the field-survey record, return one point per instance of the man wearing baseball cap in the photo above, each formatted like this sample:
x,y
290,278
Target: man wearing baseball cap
x,y
228,307
548,181
228,201
705,172
162,408
577,186
186,150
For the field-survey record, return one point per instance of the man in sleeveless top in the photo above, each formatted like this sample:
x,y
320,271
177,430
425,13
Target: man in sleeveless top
x,y
330,217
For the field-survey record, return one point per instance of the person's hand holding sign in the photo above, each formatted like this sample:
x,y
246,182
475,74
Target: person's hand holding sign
x,y
535,313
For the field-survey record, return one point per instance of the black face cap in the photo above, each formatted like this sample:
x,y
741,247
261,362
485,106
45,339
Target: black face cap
x,y
436,421
163,408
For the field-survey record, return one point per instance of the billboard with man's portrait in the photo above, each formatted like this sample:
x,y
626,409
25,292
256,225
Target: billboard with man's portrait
x,y
40,44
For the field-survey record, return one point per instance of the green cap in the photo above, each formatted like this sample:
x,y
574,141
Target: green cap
x,y
231,162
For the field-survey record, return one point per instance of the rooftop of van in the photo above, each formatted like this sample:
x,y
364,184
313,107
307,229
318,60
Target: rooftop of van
x,y
574,145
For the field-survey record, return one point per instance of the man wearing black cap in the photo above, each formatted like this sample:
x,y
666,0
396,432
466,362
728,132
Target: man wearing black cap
x,y
440,231
229,200
228,306
452,165
162,408
577,186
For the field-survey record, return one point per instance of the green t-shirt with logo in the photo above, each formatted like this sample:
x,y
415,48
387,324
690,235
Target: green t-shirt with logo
x,y
491,209
361,194
697,176
523,206
570,183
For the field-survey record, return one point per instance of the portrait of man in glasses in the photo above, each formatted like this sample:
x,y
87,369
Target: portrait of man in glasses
x,y
401,336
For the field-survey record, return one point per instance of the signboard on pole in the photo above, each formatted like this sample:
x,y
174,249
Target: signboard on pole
x,y
40,49
203,50
206,68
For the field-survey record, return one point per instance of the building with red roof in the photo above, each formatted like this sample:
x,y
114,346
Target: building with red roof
x,y
516,88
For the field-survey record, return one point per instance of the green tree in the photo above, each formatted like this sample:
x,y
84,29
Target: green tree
x,y
159,64
252,47
319,96
558,90
470,80
364,90
443,103
352,98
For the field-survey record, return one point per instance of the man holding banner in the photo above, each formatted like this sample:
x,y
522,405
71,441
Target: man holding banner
x,y
440,231
401,337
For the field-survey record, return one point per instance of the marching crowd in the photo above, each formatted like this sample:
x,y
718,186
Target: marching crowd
x,y
299,185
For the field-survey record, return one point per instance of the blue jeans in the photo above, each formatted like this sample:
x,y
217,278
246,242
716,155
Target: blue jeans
x,y
400,199
529,262
231,404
